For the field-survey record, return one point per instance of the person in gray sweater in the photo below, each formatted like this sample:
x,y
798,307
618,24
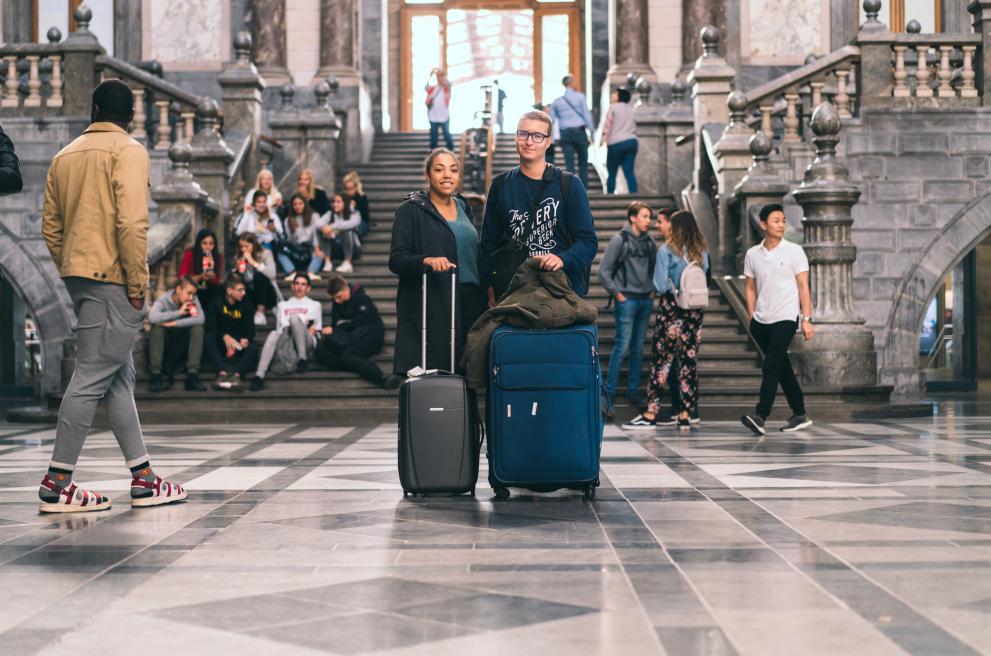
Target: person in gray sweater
x,y
626,271
177,320
619,135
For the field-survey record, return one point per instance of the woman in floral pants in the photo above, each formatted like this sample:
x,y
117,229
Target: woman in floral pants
x,y
677,332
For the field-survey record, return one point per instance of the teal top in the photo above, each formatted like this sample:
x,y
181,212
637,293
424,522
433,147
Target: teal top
x,y
467,240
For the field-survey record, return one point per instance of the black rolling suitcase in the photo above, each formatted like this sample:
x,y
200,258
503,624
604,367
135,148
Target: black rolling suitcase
x,y
439,428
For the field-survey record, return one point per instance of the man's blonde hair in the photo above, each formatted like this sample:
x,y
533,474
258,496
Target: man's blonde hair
x,y
537,115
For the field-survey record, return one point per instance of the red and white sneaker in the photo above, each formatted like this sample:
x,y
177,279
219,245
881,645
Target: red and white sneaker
x,y
55,499
155,493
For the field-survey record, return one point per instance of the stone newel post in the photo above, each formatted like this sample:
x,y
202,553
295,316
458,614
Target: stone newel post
x,y
842,351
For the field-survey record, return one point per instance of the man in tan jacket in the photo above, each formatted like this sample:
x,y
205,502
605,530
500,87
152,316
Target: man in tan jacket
x,y
95,223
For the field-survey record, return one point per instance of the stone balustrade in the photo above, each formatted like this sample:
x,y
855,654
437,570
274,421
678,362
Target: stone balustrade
x,y
936,66
32,77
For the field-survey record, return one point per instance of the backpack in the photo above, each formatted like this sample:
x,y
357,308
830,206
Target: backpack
x,y
693,291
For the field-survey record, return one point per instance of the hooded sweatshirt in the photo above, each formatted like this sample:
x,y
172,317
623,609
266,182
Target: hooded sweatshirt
x,y
633,276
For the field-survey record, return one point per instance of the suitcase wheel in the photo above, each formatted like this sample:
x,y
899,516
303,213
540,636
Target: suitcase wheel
x,y
472,491
590,492
405,494
501,493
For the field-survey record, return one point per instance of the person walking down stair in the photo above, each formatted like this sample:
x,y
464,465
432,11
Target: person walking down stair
x,y
574,120
438,90
95,224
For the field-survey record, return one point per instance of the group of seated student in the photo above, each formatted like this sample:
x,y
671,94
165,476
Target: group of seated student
x,y
309,231
181,330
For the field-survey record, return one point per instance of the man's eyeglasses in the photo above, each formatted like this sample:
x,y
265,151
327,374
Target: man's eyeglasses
x,y
537,137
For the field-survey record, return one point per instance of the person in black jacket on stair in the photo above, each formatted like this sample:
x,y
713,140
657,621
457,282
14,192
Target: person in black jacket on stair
x,y
356,334
10,169
433,230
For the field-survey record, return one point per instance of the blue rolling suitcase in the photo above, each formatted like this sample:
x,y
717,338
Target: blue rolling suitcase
x,y
543,409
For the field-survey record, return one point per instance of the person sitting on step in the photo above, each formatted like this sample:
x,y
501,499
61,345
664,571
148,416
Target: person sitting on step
x,y
355,336
338,228
261,221
359,200
257,266
295,253
287,349
230,334
176,320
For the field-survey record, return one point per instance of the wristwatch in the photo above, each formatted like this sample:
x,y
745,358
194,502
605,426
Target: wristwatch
x,y
807,319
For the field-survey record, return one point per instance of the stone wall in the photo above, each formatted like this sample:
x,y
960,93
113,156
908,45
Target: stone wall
x,y
24,257
926,203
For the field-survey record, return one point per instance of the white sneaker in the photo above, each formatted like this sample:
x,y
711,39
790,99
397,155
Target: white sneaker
x,y
328,266
260,319
345,267
290,277
313,277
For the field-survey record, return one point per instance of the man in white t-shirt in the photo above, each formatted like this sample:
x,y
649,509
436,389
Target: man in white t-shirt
x,y
778,303
304,318
438,108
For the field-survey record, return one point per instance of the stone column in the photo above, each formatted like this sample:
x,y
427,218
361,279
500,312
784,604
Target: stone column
x,y
339,65
981,11
710,81
842,352
733,157
268,29
210,160
242,88
632,45
696,15
79,71
760,186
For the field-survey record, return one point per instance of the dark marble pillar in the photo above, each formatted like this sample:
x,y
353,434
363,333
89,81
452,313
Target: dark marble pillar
x,y
694,16
18,21
127,30
268,30
338,26
632,45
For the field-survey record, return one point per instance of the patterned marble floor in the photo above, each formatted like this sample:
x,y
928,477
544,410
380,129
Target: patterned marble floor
x,y
862,538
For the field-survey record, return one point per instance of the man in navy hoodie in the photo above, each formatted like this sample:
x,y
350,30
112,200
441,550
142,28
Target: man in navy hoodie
x,y
560,233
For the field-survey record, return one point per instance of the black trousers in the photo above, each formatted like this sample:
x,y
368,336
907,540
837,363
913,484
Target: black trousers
x,y
353,352
261,291
774,339
242,362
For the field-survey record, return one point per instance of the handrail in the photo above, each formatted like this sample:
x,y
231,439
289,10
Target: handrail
x,y
939,343
148,80
30,49
802,75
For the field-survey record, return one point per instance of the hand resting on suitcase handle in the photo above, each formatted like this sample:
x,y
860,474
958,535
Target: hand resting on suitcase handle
x,y
438,264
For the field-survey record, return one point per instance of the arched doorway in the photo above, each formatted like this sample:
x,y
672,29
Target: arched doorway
x,y
527,45
947,285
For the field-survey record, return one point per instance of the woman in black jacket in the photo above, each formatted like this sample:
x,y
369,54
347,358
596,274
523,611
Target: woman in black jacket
x,y
433,230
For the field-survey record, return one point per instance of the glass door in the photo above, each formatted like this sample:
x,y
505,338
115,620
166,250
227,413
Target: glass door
x,y
947,340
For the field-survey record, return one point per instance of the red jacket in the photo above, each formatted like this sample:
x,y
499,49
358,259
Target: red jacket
x,y
186,267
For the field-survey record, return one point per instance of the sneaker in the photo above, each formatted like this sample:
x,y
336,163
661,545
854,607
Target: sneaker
x,y
328,266
669,418
223,382
640,423
257,384
755,423
193,383
392,382
313,277
292,276
684,424
796,423
302,366
154,493
55,499
345,267
260,319
235,385
156,385
694,418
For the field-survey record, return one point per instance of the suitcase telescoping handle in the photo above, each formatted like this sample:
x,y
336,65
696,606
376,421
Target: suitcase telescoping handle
x,y
423,334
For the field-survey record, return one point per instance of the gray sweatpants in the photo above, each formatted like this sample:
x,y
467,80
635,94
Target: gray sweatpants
x,y
106,328
302,340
